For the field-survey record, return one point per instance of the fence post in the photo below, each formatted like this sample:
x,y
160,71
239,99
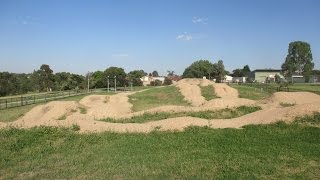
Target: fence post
x,y
34,99
21,101
6,103
45,97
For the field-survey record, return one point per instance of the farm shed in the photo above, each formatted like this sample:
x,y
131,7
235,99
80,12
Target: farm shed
x,y
262,75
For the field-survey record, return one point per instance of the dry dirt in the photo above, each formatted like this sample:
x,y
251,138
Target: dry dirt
x,y
67,113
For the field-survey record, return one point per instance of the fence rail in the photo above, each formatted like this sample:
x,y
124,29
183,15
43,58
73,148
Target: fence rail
x,y
34,99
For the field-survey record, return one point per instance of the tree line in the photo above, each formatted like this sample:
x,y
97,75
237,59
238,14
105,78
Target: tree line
x,y
44,80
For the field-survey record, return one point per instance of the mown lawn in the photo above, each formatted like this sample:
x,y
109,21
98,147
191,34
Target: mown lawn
x,y
251,92
155,97
208,92
226,113
278,151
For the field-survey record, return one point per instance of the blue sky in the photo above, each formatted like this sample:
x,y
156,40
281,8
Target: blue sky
x,y
80,36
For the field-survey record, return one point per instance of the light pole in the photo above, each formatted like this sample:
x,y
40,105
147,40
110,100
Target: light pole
x,y
115,83
108,83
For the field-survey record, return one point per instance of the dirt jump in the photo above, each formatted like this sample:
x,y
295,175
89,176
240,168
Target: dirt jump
x,y
87,112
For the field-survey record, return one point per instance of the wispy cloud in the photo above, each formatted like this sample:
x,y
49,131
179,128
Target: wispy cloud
x,y
197,20
184,37
28,20
120,55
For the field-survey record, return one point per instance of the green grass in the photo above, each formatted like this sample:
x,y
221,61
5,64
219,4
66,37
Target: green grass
x,y
62,117
315,88
208,92
227,113
11,114
155,97
284,104
313,120
251,92
278,151
83,110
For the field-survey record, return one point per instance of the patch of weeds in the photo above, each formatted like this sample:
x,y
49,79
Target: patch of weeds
x,y
226,113
208,92
285,104
313,120
75,127
73,110
83,110
63,117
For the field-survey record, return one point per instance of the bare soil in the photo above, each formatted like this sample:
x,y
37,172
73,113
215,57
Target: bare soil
x,y
117,106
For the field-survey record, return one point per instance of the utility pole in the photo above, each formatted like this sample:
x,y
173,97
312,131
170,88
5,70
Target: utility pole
x,y
108,84
115,83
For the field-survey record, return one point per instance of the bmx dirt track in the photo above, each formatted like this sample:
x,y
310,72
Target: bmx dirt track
x,y
117,106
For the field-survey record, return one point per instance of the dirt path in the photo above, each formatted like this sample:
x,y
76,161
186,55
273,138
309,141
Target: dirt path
x,y
190,89
67,113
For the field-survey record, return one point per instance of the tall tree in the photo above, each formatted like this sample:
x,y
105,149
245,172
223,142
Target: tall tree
x,y
198,69
46,77
220,71
98,80
118,73
134,77
246,70
155,74
299,60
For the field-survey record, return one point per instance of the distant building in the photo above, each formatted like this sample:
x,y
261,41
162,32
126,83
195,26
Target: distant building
x,y
146,80
264,75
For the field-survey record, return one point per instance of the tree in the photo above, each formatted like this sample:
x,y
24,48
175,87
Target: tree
x,y
170,73
277,79
98,80
43,78
167,81
220,72
155,74
299,60
246,70
135,76
117,72
198,69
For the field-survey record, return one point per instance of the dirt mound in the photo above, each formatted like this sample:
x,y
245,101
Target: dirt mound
x,y
190,89
294,97
225,103
224,91
64,113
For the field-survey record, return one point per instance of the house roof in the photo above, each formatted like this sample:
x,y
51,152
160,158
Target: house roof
x,y
267,70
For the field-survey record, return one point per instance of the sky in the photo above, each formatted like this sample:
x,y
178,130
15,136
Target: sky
x,y
89,35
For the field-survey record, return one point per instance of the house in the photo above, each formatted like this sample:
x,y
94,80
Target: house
x,y
228,78
264,75
239,79
146,80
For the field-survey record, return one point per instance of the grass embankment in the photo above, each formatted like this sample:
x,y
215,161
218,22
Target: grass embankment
x,y
227,113
251,92
208,92
315,88
277,151
155,97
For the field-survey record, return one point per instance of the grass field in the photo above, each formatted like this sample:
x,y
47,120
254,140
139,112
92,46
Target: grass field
x,y
208,92
227,113
251,92
278,151
306,87
155,97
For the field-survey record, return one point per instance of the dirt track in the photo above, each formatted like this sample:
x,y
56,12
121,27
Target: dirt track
x,y
117,106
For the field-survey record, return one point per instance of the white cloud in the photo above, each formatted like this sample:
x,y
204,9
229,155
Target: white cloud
x,y
120,55
197,20
185,37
